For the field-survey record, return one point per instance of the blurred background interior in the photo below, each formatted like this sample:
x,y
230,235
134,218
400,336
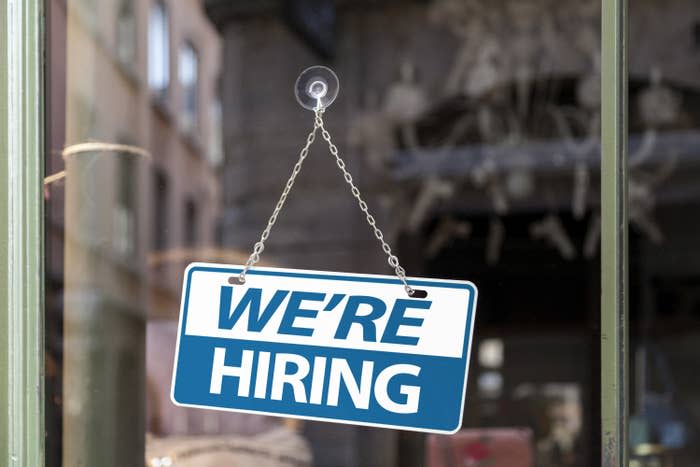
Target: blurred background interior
x,y
471,126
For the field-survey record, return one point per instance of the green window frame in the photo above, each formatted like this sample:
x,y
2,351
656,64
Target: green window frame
x,y
21,238
614,318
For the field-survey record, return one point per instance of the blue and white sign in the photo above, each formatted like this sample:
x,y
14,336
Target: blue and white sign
x,y
336,347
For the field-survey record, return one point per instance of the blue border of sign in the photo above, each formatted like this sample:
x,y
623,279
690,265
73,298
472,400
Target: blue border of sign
x,y
264,271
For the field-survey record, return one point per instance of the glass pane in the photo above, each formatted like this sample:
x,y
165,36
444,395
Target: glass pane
x,y
664,199
126,32
188,65
158,49
471,129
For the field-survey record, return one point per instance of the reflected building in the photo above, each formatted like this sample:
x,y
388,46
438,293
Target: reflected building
x,y
472,128
134,143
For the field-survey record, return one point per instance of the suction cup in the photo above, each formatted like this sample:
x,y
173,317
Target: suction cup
x,y
316,87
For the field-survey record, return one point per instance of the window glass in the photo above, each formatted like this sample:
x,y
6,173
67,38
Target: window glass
x,y
126,34
125,206
161,192
188,67
215,143
472,131
190,222
159,49
664,199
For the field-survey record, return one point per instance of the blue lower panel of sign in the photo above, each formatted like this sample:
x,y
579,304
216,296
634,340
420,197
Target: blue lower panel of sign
x,y
371,387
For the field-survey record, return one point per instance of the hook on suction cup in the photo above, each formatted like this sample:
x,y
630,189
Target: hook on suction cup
x,y
316,87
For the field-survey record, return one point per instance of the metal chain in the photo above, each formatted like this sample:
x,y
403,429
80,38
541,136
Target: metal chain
x,y
259,246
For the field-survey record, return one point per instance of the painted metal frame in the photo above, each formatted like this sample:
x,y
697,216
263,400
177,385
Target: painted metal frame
x,y
21,233
614,348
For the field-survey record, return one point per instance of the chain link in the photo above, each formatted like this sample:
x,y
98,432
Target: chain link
x,y
260,245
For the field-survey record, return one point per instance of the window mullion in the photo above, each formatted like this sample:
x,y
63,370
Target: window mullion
x,y
21,236
614,239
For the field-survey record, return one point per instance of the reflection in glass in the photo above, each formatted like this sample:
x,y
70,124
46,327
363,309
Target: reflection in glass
x,y
664,200
159,49
161,198
126,34
190,226
188,66
473,130
112,209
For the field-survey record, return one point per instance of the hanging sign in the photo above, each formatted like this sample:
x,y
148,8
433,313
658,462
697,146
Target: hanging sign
x,y
336,347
